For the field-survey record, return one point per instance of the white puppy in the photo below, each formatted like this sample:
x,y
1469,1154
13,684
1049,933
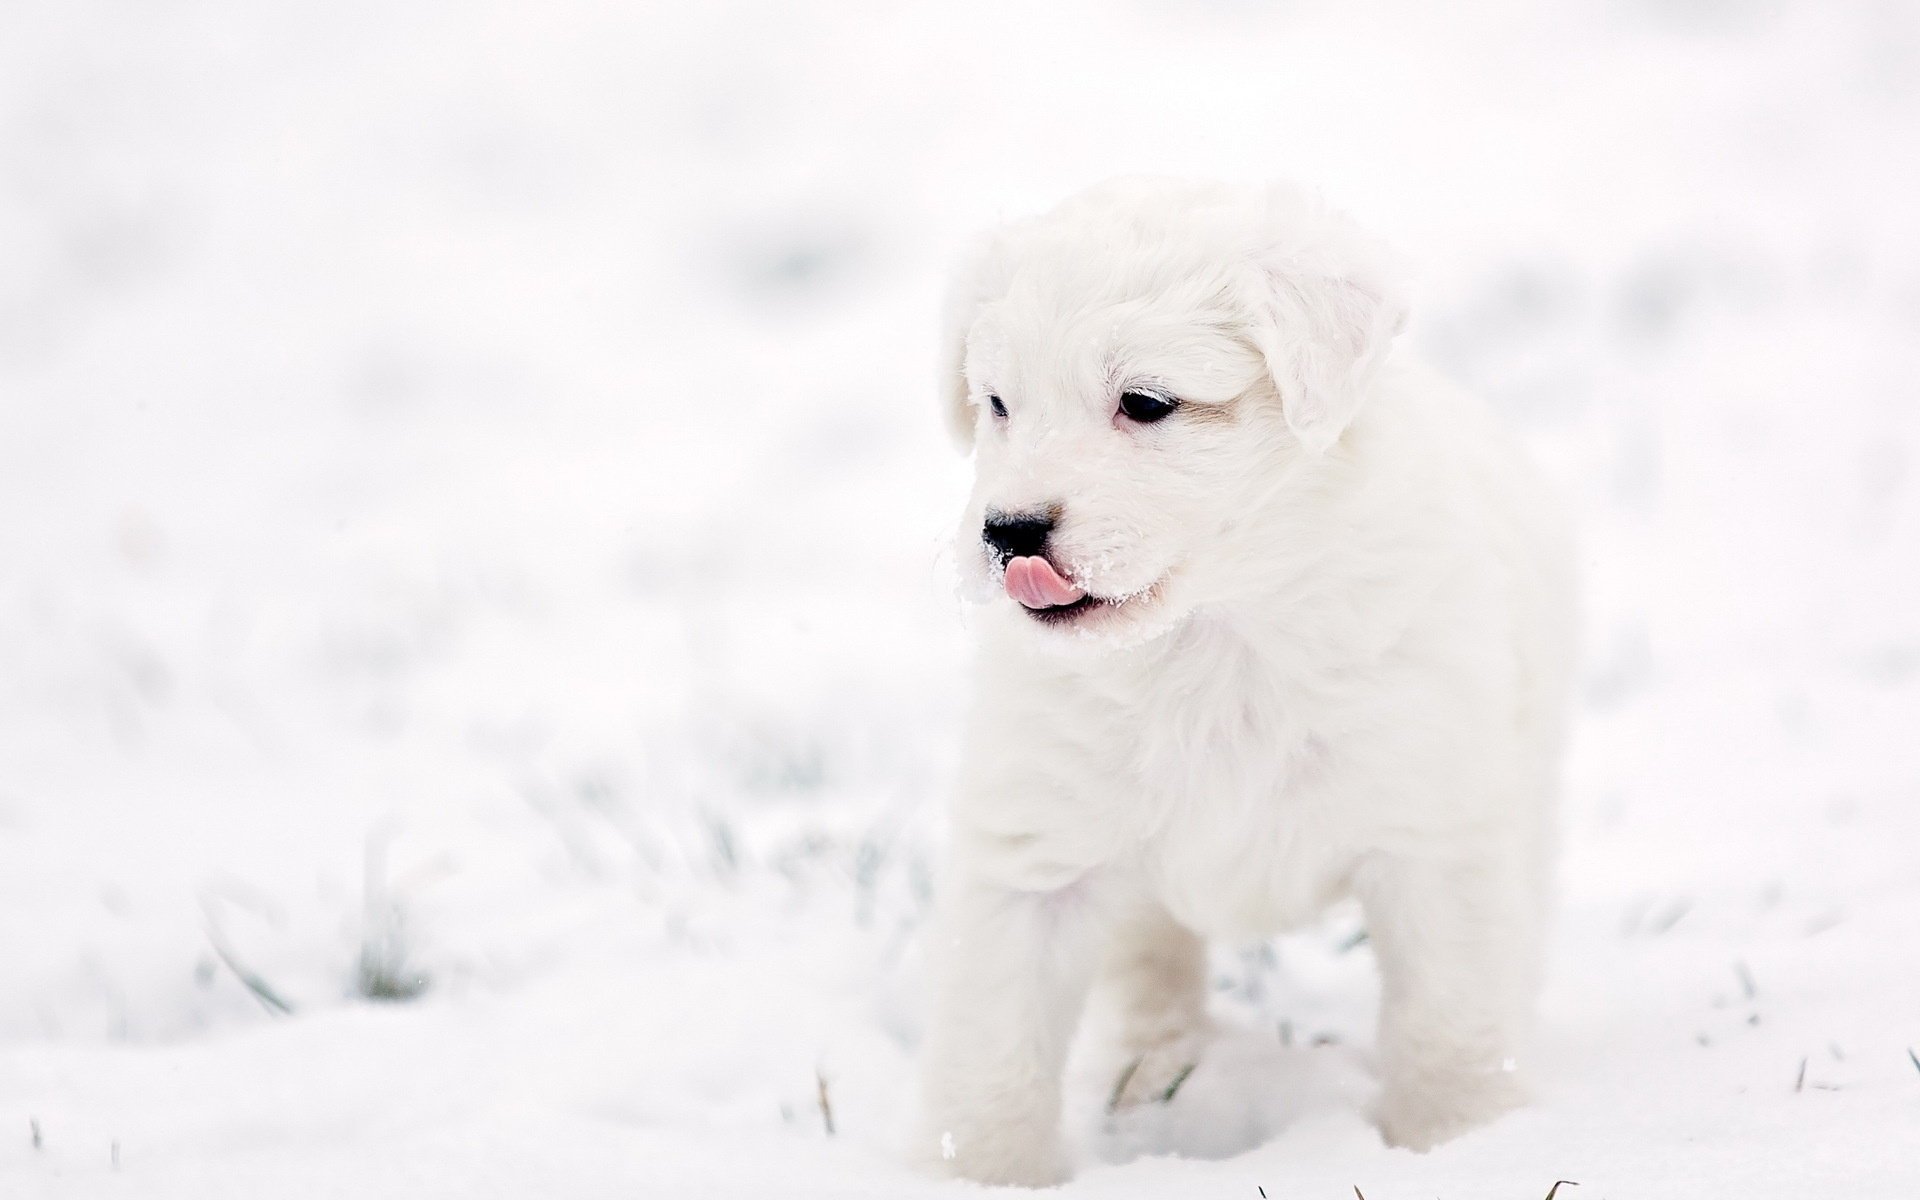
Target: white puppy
x,y
1270,620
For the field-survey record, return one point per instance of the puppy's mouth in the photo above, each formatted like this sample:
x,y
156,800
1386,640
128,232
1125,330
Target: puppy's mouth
x,y
1046,594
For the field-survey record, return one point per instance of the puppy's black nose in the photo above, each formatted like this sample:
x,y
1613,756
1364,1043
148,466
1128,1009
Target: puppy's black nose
x,y
1016,535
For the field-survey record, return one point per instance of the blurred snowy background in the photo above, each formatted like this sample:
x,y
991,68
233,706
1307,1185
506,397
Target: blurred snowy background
x,y
444,752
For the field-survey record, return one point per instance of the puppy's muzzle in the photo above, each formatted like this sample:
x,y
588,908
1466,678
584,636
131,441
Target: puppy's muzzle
x,y
1017,535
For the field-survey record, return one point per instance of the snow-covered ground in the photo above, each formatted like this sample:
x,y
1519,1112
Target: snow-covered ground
x,y
477,666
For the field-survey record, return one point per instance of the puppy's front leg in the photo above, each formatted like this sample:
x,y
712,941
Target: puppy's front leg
x,y
1154,978
1458,945
1013,970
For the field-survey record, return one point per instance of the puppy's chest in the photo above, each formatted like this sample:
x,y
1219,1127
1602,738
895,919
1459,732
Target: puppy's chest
x,y
1244,838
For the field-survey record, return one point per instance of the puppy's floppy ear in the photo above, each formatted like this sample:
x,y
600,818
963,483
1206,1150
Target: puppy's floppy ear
x,y
980,278
1327,306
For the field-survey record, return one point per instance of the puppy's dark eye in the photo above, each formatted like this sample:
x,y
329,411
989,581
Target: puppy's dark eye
x,y
998,405
1145,407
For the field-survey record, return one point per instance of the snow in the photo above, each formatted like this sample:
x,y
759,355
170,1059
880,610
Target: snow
x,y
431,439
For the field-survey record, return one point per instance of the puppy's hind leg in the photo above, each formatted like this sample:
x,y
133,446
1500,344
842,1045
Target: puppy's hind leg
x,y
1459,950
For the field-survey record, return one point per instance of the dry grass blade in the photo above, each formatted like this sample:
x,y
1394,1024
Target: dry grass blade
x,y
1800,1080
1670,917
1120,1084
1557,1185
1173,1088
262,991
826,1103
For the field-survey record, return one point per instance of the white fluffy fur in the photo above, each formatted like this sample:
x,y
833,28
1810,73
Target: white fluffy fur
x,y
1339,668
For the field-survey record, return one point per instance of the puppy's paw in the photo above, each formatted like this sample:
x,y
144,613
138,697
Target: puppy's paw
x,y
1155,1074
1436,1108
1009,1157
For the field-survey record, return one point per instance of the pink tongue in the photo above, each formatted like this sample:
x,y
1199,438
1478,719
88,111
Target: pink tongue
x,y
1034,583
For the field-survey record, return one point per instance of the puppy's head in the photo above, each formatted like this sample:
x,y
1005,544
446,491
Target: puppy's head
x,y
1138,372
